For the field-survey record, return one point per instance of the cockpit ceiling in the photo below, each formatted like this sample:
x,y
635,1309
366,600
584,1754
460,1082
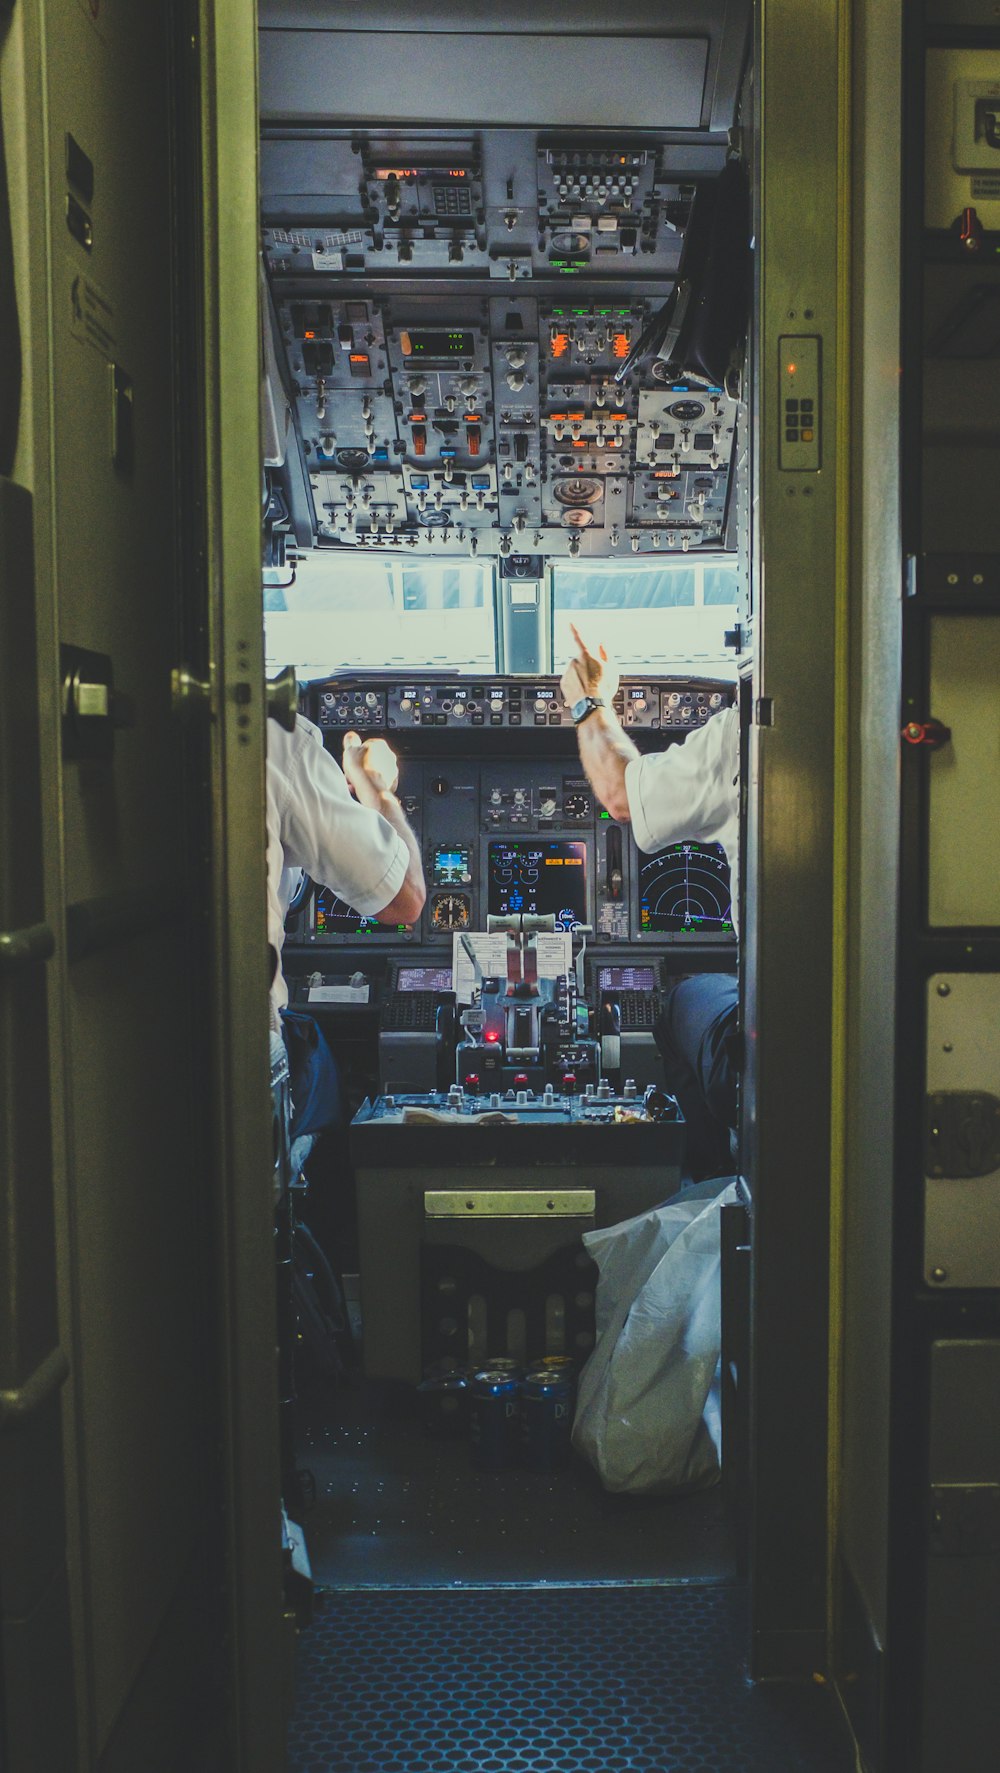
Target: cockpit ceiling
x,y
480,334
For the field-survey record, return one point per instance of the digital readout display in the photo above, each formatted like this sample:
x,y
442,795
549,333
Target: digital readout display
x,y
441,344
539,879
626,979
423,979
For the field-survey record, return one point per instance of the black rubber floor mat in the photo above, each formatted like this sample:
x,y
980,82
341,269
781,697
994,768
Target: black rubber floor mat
x,y
583,1680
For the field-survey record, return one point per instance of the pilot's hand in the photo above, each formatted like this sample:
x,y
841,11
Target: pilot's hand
x,y
588,674
371,767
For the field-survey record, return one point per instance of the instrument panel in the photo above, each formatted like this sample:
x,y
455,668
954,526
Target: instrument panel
x,y
424,701
507,821
467,329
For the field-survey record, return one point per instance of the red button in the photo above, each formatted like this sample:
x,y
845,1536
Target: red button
x,y
569,1082
520,1080
472,1083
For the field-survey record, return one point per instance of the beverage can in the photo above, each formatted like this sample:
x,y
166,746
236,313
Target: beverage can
x,y
494,1419
546,1418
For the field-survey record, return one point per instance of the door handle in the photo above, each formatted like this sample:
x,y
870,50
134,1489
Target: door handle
x,y
189,693
21,1402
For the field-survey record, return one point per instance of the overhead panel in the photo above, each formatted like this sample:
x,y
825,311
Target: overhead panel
x,y
470,326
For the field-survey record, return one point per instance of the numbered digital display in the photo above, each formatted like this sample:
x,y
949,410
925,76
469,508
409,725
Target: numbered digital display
x,y
684,890
540,879
442,344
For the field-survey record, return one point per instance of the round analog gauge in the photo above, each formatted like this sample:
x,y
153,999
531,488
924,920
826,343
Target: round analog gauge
x,y
577,806
450,911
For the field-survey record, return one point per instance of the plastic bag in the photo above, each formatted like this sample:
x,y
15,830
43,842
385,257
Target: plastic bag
x,y
645,1418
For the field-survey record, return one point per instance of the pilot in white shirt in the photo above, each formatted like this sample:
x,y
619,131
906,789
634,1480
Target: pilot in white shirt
x,y
359,845
688,791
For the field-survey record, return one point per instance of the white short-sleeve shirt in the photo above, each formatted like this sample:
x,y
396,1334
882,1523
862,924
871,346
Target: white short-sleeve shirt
x,y
315,824
691,790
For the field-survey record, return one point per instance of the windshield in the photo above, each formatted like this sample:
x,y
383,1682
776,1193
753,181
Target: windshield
x,y
662,615
347,611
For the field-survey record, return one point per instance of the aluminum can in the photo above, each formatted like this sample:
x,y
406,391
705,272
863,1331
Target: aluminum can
x,y
444,1405
494,1419
558,1363
502,1363
546,1418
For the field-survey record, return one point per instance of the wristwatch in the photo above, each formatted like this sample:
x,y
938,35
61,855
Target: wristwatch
x,y
585,706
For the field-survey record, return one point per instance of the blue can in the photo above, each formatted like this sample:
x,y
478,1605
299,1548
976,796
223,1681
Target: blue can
x,y
444,1404
494,1419
546,1418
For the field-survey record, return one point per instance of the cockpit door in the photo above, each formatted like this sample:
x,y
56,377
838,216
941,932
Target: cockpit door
x,y
141,1605
231,706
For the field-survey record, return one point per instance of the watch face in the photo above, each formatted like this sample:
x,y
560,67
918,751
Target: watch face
x,y
579,708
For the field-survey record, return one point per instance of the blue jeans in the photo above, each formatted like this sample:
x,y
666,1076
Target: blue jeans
x,y
697,1037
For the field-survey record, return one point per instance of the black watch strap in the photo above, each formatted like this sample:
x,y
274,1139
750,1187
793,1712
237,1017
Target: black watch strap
x,y
585,706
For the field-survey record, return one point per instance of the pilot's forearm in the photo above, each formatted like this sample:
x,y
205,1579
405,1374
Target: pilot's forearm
x,y
409,901
606,752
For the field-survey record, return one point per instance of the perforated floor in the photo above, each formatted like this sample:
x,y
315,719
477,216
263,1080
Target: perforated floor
x,y
396,1509
582,1680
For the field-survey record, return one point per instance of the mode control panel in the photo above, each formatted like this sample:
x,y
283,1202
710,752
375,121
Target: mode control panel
x,y
673,705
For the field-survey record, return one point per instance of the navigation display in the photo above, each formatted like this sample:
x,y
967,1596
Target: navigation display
x,y
684,890
333,916
540,879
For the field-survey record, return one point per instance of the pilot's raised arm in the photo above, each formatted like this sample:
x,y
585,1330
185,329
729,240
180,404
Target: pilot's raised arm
x,y
688,791
359,844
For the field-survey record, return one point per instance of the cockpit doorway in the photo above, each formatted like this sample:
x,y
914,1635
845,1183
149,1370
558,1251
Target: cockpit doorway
x,y
481,428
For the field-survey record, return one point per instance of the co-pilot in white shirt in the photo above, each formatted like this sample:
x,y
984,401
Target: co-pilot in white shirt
x,y
691,790
315,824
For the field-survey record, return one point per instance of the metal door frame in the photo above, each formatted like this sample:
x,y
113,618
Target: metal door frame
x,y
793,951
261,1637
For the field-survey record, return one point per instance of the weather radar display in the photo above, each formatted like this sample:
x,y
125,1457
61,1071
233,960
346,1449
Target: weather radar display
x,y
684,890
